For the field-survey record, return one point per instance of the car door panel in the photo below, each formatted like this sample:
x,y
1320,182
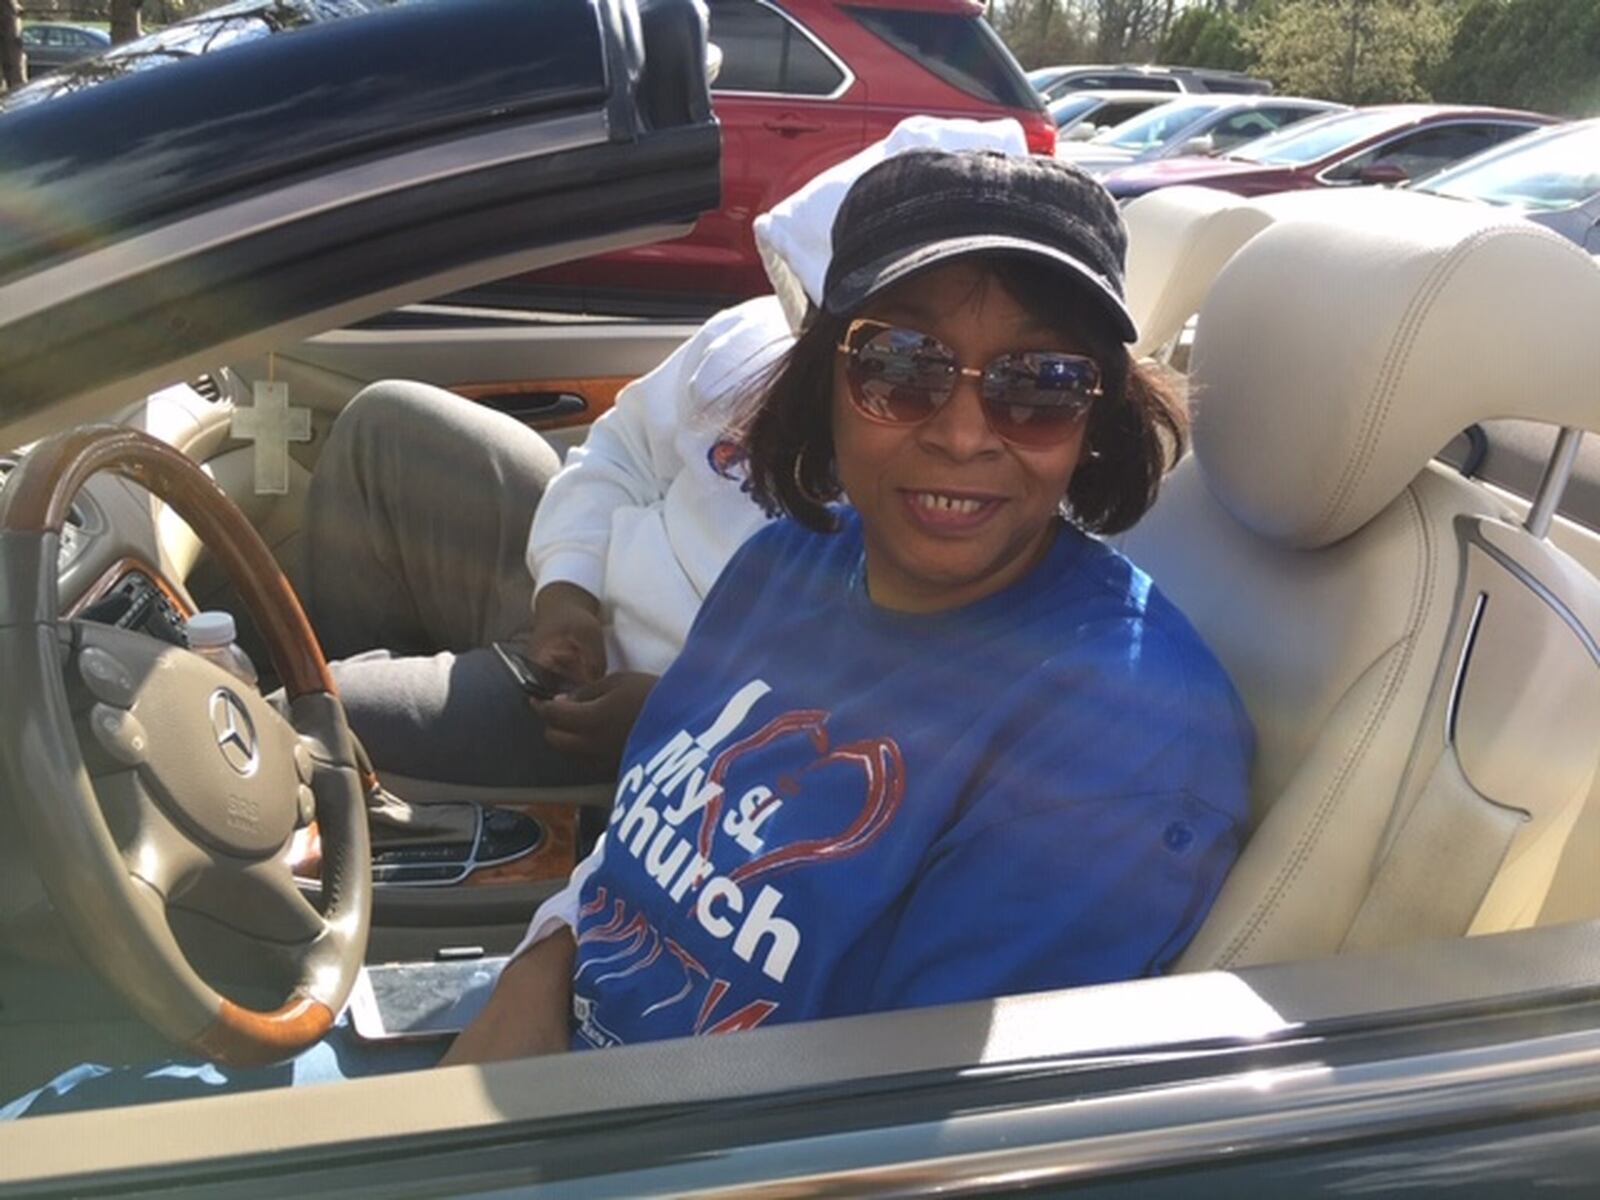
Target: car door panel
x,y
389,186
548,404
496,361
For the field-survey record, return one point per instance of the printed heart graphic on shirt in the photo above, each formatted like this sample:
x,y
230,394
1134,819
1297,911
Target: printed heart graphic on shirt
x,y
883,776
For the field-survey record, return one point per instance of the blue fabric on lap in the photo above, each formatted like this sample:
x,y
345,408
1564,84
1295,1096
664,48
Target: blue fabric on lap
x,y
340,1055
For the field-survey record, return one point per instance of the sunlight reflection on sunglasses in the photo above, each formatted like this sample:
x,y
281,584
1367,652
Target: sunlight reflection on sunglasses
x,y
901,376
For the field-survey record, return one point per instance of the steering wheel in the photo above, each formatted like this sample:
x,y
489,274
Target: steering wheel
x,y
153,787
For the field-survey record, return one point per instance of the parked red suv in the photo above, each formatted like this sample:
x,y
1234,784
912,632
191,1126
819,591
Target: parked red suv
x,y
803,84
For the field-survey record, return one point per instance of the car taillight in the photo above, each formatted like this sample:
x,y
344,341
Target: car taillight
x,y
1040,131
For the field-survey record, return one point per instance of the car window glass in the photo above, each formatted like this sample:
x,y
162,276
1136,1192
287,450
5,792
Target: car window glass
x,y
1307,141
31,36
1072,106
1242,127
1280,115
963,51
1115,113
1546,174
1156,127
1423,151
764,52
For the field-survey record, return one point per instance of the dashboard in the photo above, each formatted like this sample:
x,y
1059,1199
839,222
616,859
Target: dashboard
x,y
115,561
84,521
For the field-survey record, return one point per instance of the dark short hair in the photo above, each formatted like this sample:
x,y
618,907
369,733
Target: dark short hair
x,y
1137,429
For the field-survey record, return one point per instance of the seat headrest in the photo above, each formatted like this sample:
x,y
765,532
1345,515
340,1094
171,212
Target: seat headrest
x,y
1178,239
1343,346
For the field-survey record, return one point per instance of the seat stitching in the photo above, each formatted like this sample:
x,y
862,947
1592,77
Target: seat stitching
x,y
1422,596
1399,352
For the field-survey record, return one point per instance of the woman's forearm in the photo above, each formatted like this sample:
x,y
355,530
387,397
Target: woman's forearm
x,y
529,1010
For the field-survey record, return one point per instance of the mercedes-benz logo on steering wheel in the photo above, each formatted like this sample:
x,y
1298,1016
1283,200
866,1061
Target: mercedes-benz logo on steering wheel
x,y
236,736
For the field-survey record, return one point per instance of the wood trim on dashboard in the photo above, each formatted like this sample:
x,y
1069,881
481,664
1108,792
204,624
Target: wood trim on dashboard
x,y
120,570
599,394
554,858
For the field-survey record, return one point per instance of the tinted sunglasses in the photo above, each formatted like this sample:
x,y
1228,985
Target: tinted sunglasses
x,y
900,376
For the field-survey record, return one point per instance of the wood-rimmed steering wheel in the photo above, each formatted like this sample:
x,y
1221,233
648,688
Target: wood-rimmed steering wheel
x,y
151,783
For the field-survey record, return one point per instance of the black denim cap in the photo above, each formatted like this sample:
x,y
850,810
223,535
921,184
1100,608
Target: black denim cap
x,y
925,207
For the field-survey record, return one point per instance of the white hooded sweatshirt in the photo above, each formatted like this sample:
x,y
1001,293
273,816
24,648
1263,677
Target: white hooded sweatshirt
x,y
640,516
645,514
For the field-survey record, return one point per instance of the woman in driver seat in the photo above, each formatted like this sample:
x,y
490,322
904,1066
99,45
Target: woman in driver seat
x,y
929,739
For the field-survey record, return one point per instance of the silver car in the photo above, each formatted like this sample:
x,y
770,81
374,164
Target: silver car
x,y
1081,116
1193,125
1551,177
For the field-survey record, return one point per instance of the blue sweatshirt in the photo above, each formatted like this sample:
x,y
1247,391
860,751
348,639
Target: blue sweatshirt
x,y
829,808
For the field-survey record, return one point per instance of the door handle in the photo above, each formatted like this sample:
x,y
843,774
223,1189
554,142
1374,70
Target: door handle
x,y
789,125
537,406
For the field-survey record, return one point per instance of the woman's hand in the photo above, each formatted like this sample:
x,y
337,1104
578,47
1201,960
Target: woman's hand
x,y
566,637
528,1011
594,720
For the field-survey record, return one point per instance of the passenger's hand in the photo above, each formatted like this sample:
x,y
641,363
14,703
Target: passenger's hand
x,y
566,637
594,720
528,1011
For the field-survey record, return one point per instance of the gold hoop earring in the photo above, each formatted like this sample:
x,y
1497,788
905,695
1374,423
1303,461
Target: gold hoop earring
x,y
800,484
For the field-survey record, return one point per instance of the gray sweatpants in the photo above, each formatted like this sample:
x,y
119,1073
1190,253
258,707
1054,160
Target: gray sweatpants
x,y
416,527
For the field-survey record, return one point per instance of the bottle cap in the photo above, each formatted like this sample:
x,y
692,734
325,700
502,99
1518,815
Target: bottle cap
x,y
213,628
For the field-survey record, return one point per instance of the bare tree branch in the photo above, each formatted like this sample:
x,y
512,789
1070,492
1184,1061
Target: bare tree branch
x,y
13,62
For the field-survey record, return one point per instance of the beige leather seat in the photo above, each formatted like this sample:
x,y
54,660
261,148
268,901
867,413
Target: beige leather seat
x,y
1180,238
1424,675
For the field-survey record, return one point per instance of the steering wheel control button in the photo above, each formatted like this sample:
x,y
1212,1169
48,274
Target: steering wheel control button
x,y
119,733
106,678
235,732
306,801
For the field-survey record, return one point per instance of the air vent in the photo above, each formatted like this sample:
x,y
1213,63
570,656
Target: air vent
x,y
208,388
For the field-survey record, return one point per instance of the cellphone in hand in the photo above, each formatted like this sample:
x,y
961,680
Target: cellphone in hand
x,y
536,681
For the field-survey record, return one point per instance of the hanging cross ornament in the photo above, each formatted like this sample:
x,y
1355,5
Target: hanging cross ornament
x,y
272,424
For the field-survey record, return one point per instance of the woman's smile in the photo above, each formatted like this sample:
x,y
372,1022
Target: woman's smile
x,y
949,511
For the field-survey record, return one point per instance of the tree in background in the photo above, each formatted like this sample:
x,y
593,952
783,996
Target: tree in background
x,y
125,23
1045,32
1042,33
1357,51
1127,28
1212,34
13,68
1538,54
